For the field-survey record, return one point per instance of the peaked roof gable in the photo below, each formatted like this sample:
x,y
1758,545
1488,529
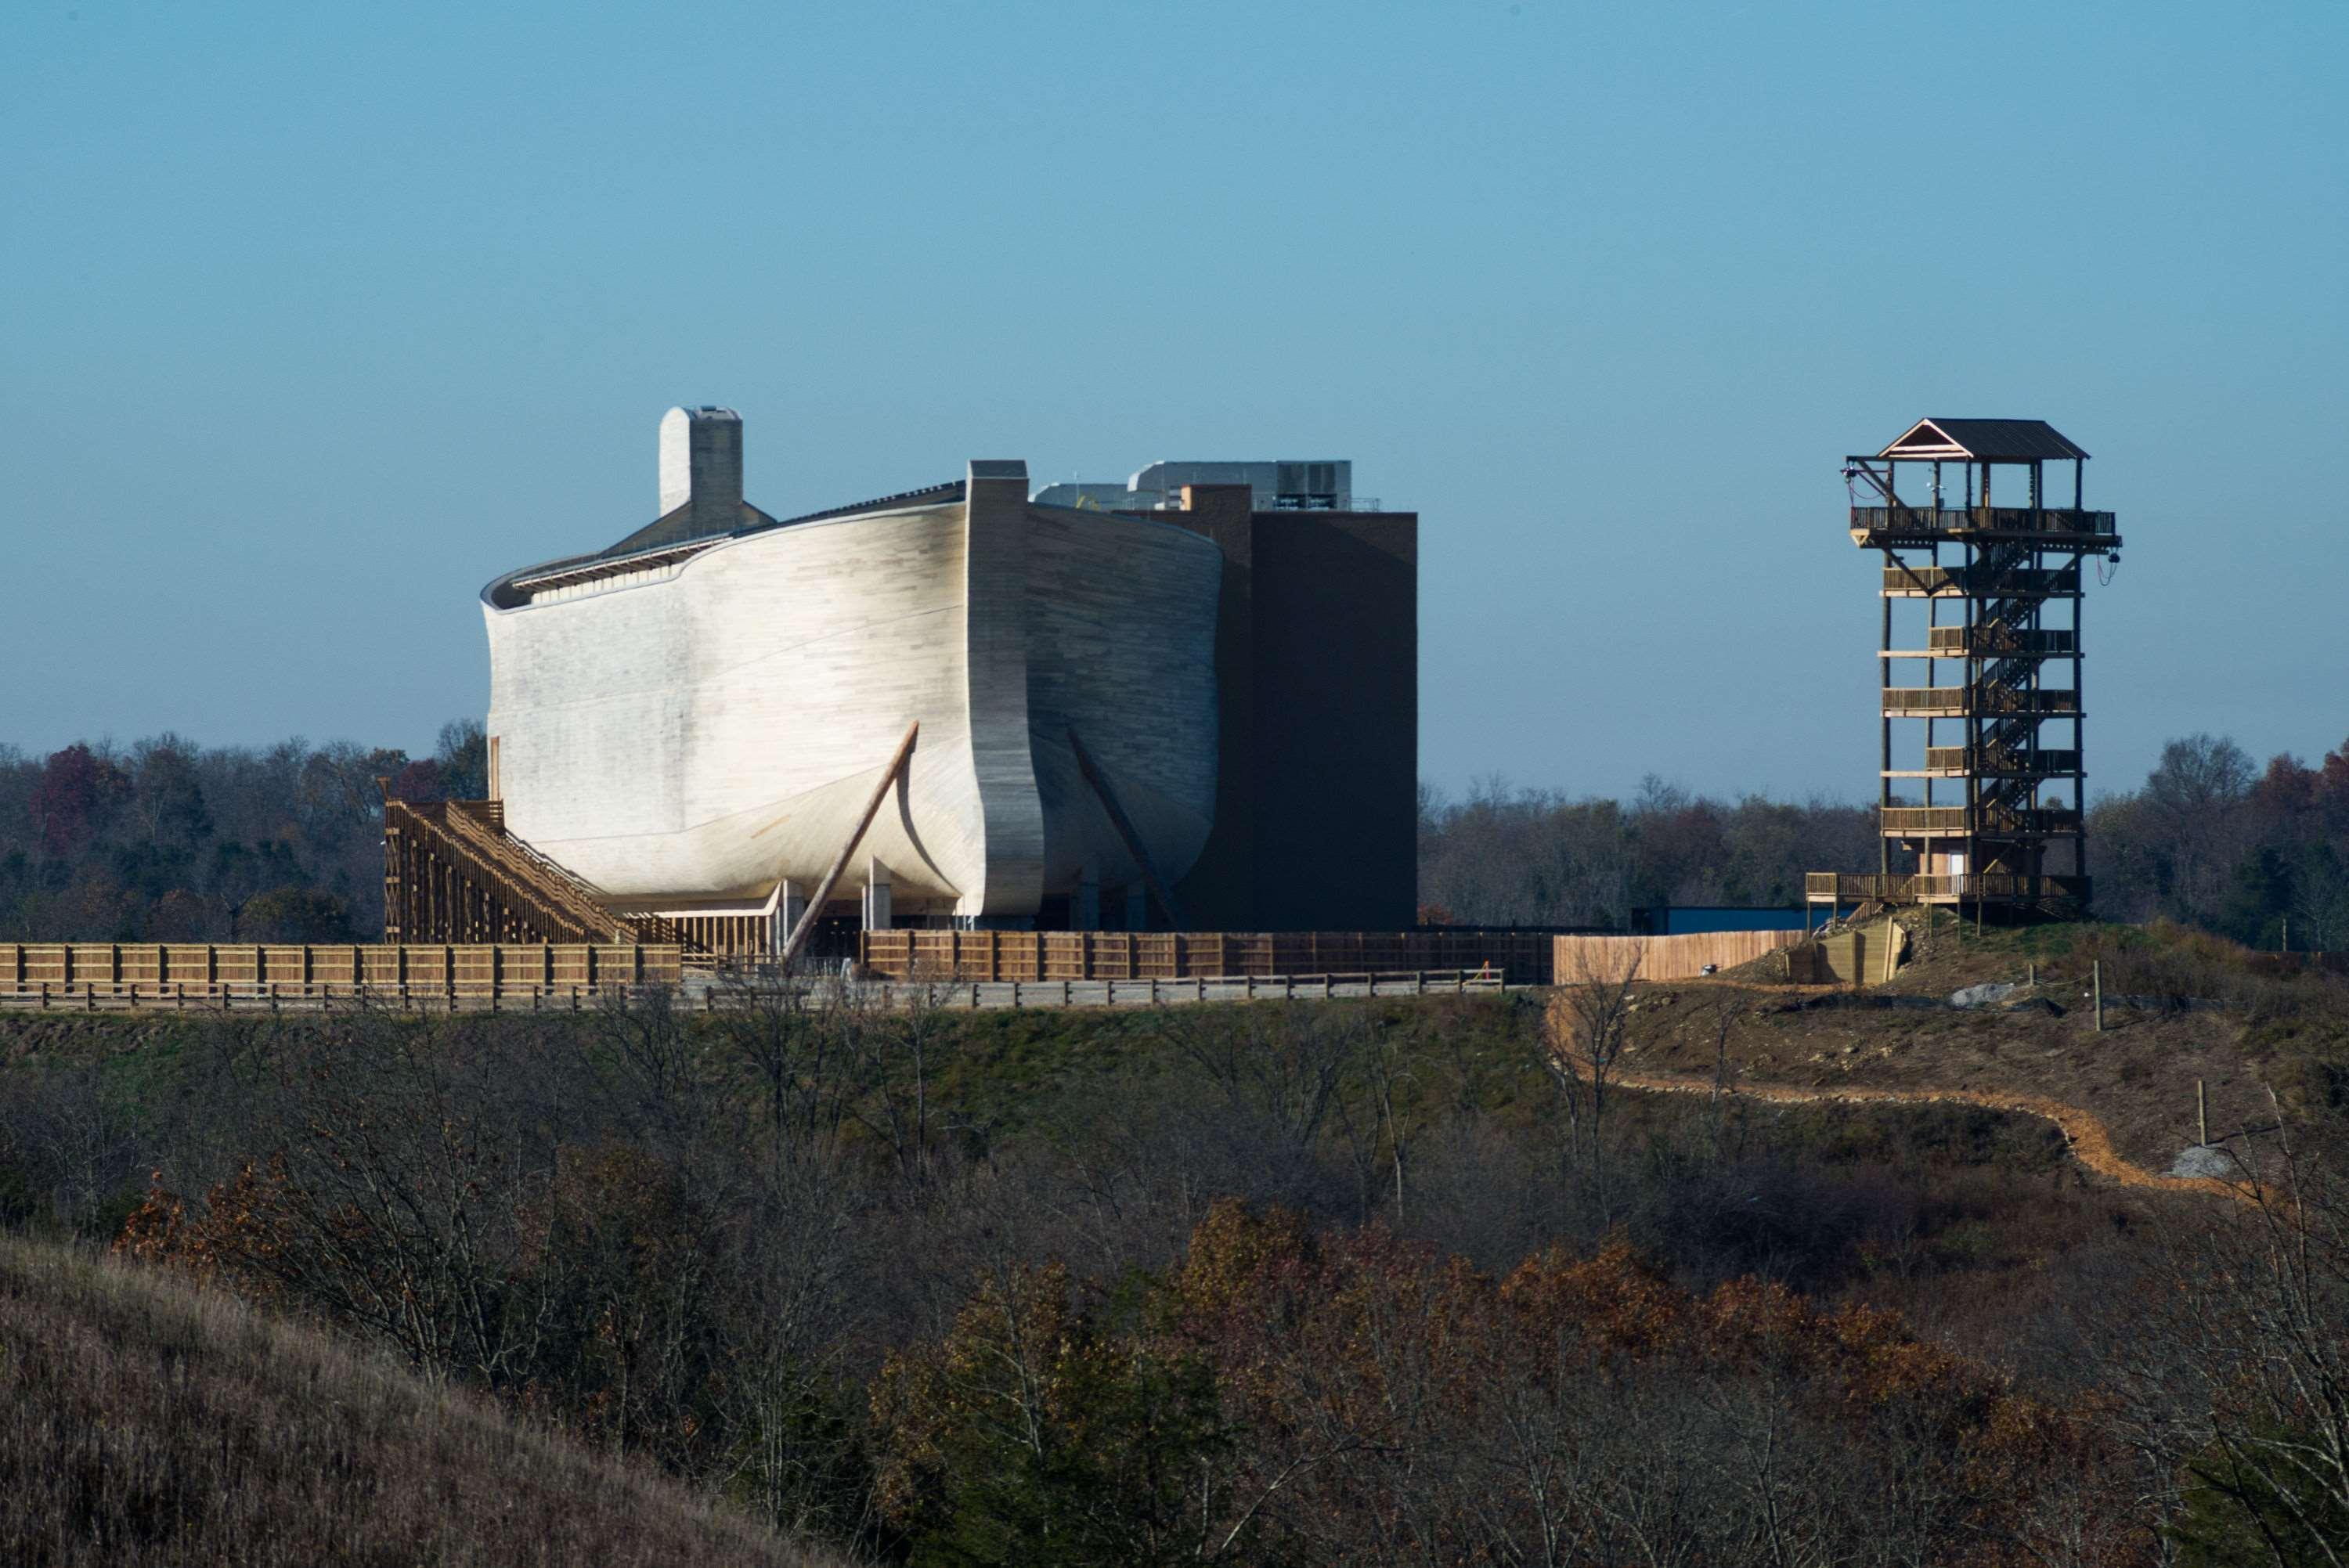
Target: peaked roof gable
x,y
1984,441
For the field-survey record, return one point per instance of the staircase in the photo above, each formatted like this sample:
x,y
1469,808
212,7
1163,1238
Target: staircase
x,y
451,874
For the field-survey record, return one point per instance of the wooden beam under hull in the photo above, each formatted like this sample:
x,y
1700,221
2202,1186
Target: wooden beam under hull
x,y
815,911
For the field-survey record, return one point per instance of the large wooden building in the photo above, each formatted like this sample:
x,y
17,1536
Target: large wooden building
x,y
966,706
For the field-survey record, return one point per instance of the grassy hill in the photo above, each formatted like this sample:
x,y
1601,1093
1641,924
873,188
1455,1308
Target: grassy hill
x,y
2182,1007
144,1422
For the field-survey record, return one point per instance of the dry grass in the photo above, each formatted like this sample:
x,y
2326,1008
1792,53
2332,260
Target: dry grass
x,y
2288,1032
143,1422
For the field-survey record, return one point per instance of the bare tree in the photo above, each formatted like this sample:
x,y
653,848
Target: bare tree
x,y
1587,1030
898,1042
2232,1366
1283,1064
1716,1015
797,1039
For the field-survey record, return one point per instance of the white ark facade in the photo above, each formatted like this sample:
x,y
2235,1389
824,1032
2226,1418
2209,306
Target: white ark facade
x,y
694,720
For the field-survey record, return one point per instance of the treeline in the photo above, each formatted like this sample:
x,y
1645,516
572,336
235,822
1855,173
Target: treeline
x,y
2260,856
1538,857
2210,841
167,840
1274,1283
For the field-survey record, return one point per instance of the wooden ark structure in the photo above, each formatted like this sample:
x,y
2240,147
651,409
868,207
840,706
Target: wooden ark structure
x,y
1185,703
1997,582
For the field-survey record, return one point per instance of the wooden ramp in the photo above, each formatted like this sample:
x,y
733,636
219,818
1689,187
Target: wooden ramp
x,y
452,874
1854,955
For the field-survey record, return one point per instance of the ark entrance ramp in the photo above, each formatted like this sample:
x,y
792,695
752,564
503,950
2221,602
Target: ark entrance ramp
x,y
451,874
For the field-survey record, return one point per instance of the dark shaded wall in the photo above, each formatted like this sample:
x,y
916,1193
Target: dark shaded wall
x,y
1317,660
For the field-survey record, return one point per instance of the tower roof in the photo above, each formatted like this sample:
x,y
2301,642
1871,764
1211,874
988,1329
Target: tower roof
x,y
1984,441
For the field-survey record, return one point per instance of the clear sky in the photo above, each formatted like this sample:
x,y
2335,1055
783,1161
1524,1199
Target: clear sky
x,y
313,319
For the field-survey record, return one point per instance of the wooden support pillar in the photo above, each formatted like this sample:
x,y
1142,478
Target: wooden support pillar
x,y
1884,779
1125,831
806,927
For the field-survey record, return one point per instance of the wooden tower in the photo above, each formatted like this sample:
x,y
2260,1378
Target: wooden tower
x,y
1994,820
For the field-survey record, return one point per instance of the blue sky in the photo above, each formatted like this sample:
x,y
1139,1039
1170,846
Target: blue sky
x,y
318,316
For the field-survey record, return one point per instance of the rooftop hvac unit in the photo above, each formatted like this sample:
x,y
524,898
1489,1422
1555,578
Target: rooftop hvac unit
x,y
1311,486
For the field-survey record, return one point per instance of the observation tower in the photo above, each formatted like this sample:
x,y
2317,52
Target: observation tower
x,y
1994,820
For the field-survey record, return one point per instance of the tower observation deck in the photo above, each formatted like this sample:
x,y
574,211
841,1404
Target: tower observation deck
x,y
1995,587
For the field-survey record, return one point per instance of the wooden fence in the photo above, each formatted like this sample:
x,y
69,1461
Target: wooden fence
x,y
169,975
1524,958
1663,957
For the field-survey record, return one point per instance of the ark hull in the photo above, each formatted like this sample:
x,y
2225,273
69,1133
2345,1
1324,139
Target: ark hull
x,y
686,733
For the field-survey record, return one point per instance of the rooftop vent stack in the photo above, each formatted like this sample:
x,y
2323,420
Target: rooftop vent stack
x,y
701,466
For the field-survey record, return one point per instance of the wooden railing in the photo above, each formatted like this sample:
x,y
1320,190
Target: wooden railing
x,y
1845,887
1959,820
1924,818
2018,582
1998,762
2053,524
184,975
453,874
1147,991
1524,957
1998,642
1960,701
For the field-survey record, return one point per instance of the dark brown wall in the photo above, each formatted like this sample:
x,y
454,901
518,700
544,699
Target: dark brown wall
x,y
1317,661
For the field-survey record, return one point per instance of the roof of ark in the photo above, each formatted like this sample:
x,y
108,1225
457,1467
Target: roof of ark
x,y
1984,441
659,542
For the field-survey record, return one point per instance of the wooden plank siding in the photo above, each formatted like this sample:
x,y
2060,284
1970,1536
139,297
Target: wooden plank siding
x,y
1680,957
1523,957
171,973
688,741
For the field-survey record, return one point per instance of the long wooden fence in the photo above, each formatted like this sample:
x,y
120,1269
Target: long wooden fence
x,y
1524,958
1681,957
168,974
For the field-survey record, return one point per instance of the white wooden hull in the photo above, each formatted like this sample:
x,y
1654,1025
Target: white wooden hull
x,y
711,728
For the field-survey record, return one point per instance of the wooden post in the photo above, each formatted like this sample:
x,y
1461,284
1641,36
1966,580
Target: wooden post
x,y
1125,832
2097,975
2202,1116
822,893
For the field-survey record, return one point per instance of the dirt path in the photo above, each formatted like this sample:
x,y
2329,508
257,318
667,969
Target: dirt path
x,y
2090,1143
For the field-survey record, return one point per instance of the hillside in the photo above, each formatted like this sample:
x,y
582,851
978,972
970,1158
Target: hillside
x,y
751,1247
2181,1008
144,1422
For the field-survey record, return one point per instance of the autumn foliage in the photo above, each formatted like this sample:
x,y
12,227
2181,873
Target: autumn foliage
x,y
1286,1285
1283,1395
